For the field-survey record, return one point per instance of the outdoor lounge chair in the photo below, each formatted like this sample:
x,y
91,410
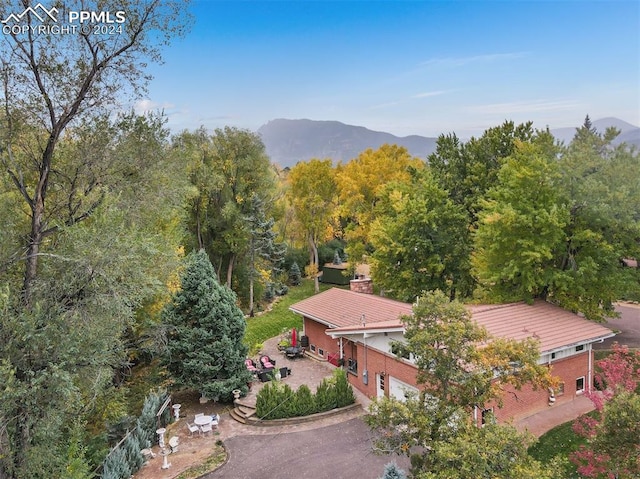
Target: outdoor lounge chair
x,y
267,363
251,366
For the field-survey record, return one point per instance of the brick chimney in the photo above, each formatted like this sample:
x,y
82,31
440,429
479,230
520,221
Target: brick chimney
x,y
361,285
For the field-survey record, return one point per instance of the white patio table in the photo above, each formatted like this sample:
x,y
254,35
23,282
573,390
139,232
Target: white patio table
x,y
202,420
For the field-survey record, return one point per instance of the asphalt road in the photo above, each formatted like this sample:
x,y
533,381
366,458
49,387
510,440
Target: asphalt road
x,y
331,452
627,326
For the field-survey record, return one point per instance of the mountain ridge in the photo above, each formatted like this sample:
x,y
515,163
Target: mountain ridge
x,y
288,141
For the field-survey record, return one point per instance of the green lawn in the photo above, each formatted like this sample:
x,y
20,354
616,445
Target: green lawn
x,y
558,442
271,323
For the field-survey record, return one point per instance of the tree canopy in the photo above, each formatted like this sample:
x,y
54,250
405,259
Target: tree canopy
x,y
558,222
312,193
420,240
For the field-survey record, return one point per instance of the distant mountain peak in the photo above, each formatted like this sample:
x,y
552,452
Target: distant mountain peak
x,y
290,141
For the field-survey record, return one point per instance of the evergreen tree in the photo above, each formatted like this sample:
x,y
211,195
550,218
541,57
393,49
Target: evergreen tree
x,y
205,329
295,275
392,471
264,250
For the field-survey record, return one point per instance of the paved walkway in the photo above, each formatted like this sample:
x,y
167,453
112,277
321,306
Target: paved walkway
x,y
547,419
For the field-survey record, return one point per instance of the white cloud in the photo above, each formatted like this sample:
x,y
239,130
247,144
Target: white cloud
x,y
146,105
429,93
462,61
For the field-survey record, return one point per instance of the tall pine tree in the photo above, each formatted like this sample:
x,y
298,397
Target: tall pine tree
x,y
205,329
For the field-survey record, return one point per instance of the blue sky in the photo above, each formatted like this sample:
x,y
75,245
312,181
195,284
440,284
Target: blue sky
x,y
406,67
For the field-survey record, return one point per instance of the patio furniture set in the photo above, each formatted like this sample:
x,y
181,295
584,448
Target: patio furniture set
x,y
203,423
265,368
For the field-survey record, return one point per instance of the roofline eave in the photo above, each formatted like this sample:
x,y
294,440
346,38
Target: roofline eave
x,y
599,339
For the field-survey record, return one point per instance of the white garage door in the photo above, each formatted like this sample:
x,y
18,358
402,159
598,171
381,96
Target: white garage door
x,y
399,389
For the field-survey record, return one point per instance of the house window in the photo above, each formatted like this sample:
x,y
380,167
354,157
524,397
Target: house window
x,y
396,349
580,385
352,366
320,352
381,382
559,391
487,416
580,348
313,348
553,355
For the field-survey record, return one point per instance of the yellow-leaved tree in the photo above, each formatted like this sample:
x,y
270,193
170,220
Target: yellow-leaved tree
x,y
360,185
312,194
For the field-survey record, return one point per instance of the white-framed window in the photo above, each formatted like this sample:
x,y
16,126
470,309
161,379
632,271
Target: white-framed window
x,y
313,348
352,366
320,352
580,348
580,385
487,416
381,381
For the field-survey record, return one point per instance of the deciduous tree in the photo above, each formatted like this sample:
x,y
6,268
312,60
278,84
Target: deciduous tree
x,y
420,240
313,196
360,184
521,224
50,81
613,434
93,275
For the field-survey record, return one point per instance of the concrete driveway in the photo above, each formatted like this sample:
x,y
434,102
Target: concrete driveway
x,y
330,452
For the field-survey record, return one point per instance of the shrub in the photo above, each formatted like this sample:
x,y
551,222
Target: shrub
x,y
344,391
392,471
305,402
325,396
116,465
277,400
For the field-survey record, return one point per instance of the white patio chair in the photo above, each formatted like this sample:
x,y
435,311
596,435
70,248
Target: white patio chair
x,y
206,428
193,428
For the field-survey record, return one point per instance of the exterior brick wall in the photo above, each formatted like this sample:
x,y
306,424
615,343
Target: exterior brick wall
x,y
364,285
377,362
527,401
516,404
319,339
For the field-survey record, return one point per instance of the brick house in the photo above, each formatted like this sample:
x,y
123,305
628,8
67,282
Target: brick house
x,y
356,329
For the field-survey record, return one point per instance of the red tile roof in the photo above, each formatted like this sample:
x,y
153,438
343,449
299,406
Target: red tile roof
x,y
342,310
338,308
553,326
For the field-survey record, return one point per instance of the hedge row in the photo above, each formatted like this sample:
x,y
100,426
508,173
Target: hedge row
x,y
276,400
